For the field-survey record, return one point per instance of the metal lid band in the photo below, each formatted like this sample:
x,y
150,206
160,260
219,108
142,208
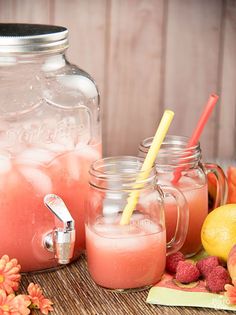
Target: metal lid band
x,y
32,38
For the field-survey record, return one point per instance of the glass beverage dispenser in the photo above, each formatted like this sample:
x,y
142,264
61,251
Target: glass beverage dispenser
x,y
49,135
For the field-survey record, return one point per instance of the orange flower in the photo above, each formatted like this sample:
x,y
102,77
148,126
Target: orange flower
x,y
45,306
231,292
38,300
14,305
9,274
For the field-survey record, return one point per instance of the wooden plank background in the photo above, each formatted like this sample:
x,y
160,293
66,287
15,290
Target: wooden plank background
x,y
147,55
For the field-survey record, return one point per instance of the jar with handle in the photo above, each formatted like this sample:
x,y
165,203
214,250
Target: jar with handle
x,y
131,256
175,156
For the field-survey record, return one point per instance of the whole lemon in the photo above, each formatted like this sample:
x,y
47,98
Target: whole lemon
x,y
219,231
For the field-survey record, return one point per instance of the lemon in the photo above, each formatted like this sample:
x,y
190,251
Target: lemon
x,y
219,231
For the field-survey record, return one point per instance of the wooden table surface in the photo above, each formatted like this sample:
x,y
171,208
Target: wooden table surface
x,y
73,292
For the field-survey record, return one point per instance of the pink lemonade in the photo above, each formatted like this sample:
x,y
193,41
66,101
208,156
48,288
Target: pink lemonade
x,y
197,198
24,181
125,257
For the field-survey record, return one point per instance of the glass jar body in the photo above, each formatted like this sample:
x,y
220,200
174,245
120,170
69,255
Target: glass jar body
x,y
49,135
125,224
113,250
175,158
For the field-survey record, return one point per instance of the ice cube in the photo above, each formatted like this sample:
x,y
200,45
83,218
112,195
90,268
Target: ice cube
x,y
110,207
131,230
136,216
5,164
87,151
118,238
112,230
38,179
131,243
109,226
103,229
148,199
54,147
110,219
73,166
35,156
149,226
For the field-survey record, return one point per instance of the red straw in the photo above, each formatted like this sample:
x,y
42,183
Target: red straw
x,y
198,130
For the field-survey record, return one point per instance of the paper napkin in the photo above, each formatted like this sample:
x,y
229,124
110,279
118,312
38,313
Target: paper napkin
x,y
167,292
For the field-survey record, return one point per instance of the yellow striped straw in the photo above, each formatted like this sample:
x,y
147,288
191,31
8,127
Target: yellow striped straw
x,y
147,164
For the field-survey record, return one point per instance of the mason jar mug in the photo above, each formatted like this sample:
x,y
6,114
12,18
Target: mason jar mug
x,y
128,256
180,166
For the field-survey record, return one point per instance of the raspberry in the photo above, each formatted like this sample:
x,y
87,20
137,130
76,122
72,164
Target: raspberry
x,y
186,272
172,261
206,265
217,279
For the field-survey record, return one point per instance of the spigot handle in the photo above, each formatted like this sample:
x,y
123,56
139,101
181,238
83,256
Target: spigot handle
x,y
61,240
56,205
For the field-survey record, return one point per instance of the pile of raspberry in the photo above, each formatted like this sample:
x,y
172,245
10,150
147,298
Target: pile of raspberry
x,y
209,269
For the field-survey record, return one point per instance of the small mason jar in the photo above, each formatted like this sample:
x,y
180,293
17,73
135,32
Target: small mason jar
x,y
130,256
180,166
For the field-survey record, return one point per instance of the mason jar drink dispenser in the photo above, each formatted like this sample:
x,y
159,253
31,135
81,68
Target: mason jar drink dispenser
x,y
49,135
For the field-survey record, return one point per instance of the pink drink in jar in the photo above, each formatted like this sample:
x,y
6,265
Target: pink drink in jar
x,y
24,181
197,198
131,256
173,156
123,256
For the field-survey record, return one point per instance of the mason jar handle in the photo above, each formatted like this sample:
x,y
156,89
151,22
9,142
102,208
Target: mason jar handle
x,y
221,183
182,218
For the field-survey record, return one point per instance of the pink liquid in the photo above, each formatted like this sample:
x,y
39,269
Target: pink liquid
x,y
24,181
197,198
124,257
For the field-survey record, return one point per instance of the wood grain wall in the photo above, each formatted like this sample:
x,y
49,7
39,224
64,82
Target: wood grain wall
x,y
148,55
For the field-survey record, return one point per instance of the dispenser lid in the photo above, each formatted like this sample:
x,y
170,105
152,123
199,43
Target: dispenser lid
x,y
32,38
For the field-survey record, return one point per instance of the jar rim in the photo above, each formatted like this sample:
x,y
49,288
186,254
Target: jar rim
x,y
182,141
174,152
32,38
125,169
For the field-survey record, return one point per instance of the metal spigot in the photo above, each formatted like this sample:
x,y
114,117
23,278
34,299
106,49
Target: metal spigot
x,y
61,240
